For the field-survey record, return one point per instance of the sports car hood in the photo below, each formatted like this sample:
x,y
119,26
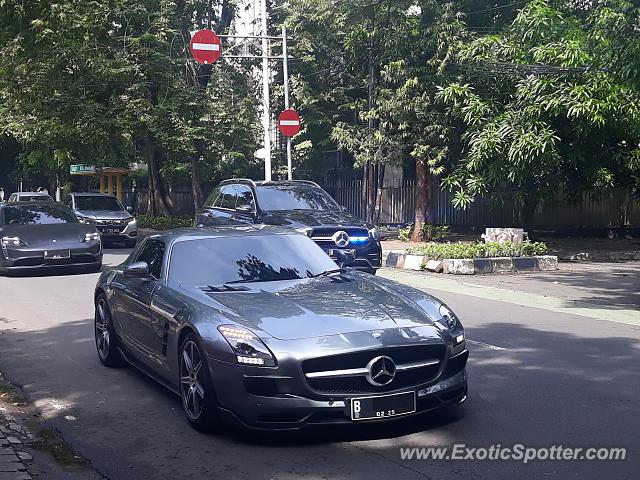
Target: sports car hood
x,y
290,310
311,218
48,235
105,214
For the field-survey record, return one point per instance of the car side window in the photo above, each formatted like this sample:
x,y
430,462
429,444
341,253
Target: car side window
x,y
245,197
229,195
153,253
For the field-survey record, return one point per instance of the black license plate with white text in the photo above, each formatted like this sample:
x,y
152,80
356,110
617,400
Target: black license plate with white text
x,y
383,406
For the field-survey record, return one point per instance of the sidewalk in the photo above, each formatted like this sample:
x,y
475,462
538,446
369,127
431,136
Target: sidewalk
x,y
570,249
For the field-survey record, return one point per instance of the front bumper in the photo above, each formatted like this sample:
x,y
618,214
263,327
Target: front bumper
x,y
368,257
260,398
25,257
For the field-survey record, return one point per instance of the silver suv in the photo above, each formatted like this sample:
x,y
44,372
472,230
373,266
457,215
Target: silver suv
x,y
115,223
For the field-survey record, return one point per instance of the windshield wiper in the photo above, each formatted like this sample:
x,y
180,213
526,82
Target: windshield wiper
x,y
329,272
260,280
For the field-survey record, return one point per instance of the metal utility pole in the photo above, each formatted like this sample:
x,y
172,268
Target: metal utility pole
x,y
266,117
285,68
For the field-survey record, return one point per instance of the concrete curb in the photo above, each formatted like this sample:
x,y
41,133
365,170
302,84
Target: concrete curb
x,y
473,266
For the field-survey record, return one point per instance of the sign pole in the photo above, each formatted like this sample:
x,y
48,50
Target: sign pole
x,y
285,65
266,120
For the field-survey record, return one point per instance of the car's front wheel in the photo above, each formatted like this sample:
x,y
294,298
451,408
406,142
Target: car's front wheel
x,y
106,342
196,388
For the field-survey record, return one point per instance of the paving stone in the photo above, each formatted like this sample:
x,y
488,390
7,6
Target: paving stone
x,y
413,262
5,430
482,266
14,476
4,442
8,458
15,426
462,266
502,264
24,456
11,467
14,440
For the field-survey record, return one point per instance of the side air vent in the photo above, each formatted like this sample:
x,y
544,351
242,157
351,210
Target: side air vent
x,y
223,288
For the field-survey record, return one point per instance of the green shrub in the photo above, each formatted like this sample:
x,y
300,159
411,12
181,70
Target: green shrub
x,y
165,222
428,233
404,234
440,251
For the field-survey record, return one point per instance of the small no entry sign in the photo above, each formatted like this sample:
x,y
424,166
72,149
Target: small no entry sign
x,y
289,122
205,47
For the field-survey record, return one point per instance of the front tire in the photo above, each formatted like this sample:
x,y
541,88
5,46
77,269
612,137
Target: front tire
x,y
105,335
196,388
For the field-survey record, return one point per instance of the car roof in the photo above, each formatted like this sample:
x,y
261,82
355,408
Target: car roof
x,y
275,183
201,233
91,194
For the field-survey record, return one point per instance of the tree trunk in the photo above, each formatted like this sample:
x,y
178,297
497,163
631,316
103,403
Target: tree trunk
x,y
526,212
423,199
195,184
160,202
381,169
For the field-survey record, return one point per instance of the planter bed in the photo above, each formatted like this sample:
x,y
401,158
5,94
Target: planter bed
x,y
473,266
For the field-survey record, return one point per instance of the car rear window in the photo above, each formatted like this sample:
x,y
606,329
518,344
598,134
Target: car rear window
x,y
38,215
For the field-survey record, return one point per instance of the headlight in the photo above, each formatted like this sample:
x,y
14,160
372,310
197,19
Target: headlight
x,y
130,220
449,319
12,241
373,233
85,219
91,237
249,349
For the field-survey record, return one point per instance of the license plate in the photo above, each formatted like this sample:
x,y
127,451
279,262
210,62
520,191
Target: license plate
x,y
348,251
56,254
110,230
383,406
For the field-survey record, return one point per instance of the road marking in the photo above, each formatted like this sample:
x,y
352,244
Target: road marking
x,y
213,47
485,345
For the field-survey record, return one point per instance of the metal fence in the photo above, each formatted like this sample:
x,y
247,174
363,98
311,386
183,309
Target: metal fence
x,y
398,207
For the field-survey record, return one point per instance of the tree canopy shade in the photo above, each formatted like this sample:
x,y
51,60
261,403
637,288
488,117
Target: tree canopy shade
x,y
553,99
111,81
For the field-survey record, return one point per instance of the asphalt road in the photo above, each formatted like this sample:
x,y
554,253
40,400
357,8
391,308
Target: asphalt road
x,y
538,377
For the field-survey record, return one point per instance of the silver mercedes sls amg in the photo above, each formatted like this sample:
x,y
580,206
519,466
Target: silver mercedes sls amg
x,y
258,325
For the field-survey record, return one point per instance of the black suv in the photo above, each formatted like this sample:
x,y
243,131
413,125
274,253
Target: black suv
x,y
298,204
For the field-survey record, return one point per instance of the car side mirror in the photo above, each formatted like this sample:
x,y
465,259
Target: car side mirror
x,y
137,270
130,210
245,209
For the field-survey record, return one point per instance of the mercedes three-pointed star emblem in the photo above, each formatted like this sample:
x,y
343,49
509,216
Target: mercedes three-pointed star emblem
x,y
341,239
381,371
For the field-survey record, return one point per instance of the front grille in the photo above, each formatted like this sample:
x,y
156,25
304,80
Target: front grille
x,y
359,384
329,231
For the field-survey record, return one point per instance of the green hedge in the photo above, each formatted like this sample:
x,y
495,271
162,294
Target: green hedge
x,y
440,251
164,223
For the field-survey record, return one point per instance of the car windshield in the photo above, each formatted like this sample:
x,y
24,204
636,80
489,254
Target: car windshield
x,y
294,197
251,258
98,203
35,198
38,215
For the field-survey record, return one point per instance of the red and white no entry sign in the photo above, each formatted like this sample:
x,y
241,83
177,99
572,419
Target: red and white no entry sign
x,y
205,47
289,122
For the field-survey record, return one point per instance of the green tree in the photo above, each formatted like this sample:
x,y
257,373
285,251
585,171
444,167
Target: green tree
x,y
550,101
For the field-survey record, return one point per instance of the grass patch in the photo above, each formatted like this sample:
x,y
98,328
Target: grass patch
x,y
440,251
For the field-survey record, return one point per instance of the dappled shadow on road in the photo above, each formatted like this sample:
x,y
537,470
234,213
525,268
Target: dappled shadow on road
x,y
617,286
545,388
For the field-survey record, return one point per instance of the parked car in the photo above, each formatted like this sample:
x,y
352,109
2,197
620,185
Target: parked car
x,y
29,197
46,234
298,204
257,325
115,223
